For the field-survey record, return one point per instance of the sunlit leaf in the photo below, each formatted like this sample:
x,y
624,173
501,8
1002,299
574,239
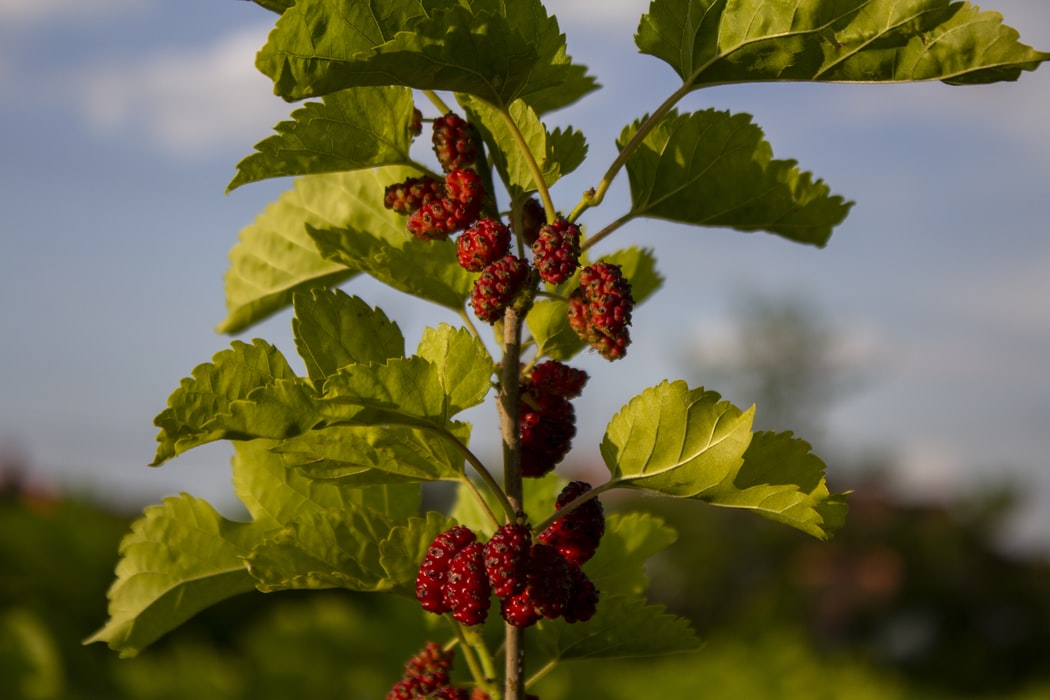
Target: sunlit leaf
x,y
618,566
710,42
495,50
178,559
688,443
403,549
328,549
714,168
333,329
351,129
232,374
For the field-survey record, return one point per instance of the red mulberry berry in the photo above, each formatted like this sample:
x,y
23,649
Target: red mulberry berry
x,y
500,283
556,251
583,597
433,572
415,127
548,581
547,430
519,611
455,142
555,378
577,534
411,194
600,309
421,686
507,559
434,221
430,659
485,241
467,589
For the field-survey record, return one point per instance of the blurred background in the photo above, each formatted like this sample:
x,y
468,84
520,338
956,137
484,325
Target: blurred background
x,y
913,349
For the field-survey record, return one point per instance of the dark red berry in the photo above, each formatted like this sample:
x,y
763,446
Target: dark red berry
x,y
548,425
415,127
430,659
583,597
485,241
507,559
519,611
500,283
467,590
548,581
455,142
556,251
411,194
555,378
433,571
577,534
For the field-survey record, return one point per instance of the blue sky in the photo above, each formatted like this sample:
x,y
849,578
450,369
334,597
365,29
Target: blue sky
x,y
121,122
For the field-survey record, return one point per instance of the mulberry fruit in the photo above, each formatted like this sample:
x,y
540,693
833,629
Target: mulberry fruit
x,y
556,251
555,378
576,535
411,194
433,572
499,285
485,241
467,589
507,559
600,309
455,142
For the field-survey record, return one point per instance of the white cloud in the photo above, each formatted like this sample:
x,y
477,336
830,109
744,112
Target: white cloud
x,y
187,102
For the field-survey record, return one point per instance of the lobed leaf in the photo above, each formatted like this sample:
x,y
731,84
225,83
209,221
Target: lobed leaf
x,y
325,549
193,409
275,257
496,50
333,329
178,559
277,494
365,236
710,42
623,626
618,567
687,443
712,168
351,129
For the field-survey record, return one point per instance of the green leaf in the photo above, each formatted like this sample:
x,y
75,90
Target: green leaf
x,y
496,50
630,539
557,153
350,129
380,454
366,236
418,390
623,626
463,365
232,374
277,494
275,257
328,549
712,168
402,551
180,558
710,42
333,330
688,443
783,481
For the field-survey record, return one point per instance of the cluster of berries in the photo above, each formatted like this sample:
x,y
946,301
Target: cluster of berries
x,y
436,208
546,417
599,309
532,580
427,676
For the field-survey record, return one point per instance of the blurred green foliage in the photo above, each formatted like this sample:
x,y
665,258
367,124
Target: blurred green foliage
x,y
907,602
